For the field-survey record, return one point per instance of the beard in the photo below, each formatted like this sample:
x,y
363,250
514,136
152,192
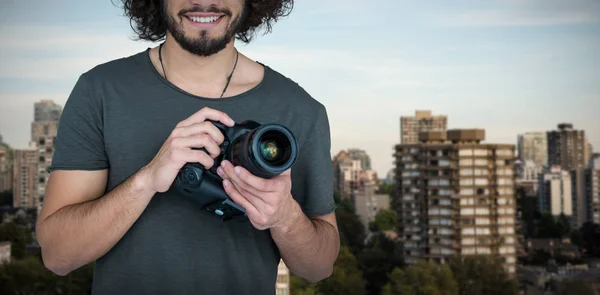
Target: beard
x,y
202,45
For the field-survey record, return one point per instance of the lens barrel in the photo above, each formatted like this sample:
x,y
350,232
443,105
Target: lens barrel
x,y
266,151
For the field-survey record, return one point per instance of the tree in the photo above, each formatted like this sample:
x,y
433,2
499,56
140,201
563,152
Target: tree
x,y
385,189
18,236
346,277
590,237
529,211
563,226
351,229
423,278
380,256
385,220
482,275
6,199
554,228
30,276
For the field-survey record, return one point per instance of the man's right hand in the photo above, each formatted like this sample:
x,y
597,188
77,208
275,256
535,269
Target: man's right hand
x,y
193,132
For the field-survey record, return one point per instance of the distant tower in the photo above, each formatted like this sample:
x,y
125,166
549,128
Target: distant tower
x,y
456,197
567,148
423,121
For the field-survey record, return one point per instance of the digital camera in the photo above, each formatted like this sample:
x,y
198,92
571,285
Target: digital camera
x,y
264,150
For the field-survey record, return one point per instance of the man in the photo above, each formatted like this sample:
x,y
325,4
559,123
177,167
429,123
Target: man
x,y
129,125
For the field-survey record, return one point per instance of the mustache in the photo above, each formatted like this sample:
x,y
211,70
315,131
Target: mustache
x,y
211,8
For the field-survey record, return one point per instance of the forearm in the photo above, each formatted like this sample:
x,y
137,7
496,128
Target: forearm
x,y
79,234
309,247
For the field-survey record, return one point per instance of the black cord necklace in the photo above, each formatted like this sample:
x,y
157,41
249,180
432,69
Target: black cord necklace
x,y
228,78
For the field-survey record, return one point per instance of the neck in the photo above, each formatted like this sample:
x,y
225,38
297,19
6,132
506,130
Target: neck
x,y
183,67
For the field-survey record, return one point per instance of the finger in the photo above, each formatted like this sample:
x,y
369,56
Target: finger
x,y
207,113
222,173
237,197
193,156
229,170
257,183
258,202
199,128
198,141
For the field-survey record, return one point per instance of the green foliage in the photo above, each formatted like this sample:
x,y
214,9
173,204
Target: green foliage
x,y
385,220
346,279
351,229
529,212
377,261
18,236
385,189
590,238
554,228
6,199
30,276
423,278
482,275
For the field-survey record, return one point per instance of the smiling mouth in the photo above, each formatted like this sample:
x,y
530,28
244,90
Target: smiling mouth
x,y
204,19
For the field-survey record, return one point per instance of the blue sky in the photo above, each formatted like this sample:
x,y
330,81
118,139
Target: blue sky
x,y
506,66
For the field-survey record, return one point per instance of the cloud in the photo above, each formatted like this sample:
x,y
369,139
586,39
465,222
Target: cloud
x,y
59,53
529,13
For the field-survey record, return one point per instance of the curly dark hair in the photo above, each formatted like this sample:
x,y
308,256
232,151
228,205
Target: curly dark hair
x,y
148,21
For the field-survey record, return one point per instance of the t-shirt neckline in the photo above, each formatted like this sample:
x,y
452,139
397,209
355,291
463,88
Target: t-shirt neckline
x,y
246,93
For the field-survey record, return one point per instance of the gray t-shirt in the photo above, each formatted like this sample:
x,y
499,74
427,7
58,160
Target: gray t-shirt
x,y
119,115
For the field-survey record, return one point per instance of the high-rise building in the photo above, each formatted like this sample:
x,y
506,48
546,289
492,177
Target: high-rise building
x,y
456,196
43,134
593,195
6,164
46,110
554,192
362,156
595,161
367,203
527,175
588,153
25,178
349,174
282,285
566,147
585,196
422,121
533,147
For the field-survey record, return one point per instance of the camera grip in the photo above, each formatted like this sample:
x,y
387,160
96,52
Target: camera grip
x,y
206,189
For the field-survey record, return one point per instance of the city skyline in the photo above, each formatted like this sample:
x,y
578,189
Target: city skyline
x,y
508,68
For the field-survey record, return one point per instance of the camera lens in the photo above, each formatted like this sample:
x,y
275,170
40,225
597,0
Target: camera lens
x,y
269,150
265,151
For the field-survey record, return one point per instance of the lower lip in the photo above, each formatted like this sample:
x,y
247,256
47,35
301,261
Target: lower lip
x,y
204,25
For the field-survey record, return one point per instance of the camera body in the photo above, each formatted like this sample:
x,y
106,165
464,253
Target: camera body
x,y
264,150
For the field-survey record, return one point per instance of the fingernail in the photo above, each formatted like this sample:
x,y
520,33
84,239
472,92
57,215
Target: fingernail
x,y
225,182
231,121
237,170
220,171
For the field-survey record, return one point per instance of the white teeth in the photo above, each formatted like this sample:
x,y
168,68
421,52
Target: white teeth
x,y
209,19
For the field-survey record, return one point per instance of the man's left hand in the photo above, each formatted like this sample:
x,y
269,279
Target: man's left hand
x,y
268,202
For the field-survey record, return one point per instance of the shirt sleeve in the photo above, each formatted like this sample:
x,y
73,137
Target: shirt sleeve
x,y
313,171
79,143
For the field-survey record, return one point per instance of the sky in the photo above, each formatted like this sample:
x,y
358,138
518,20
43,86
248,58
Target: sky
x,y
508,67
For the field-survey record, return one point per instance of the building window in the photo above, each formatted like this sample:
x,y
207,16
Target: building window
x,y
282,278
